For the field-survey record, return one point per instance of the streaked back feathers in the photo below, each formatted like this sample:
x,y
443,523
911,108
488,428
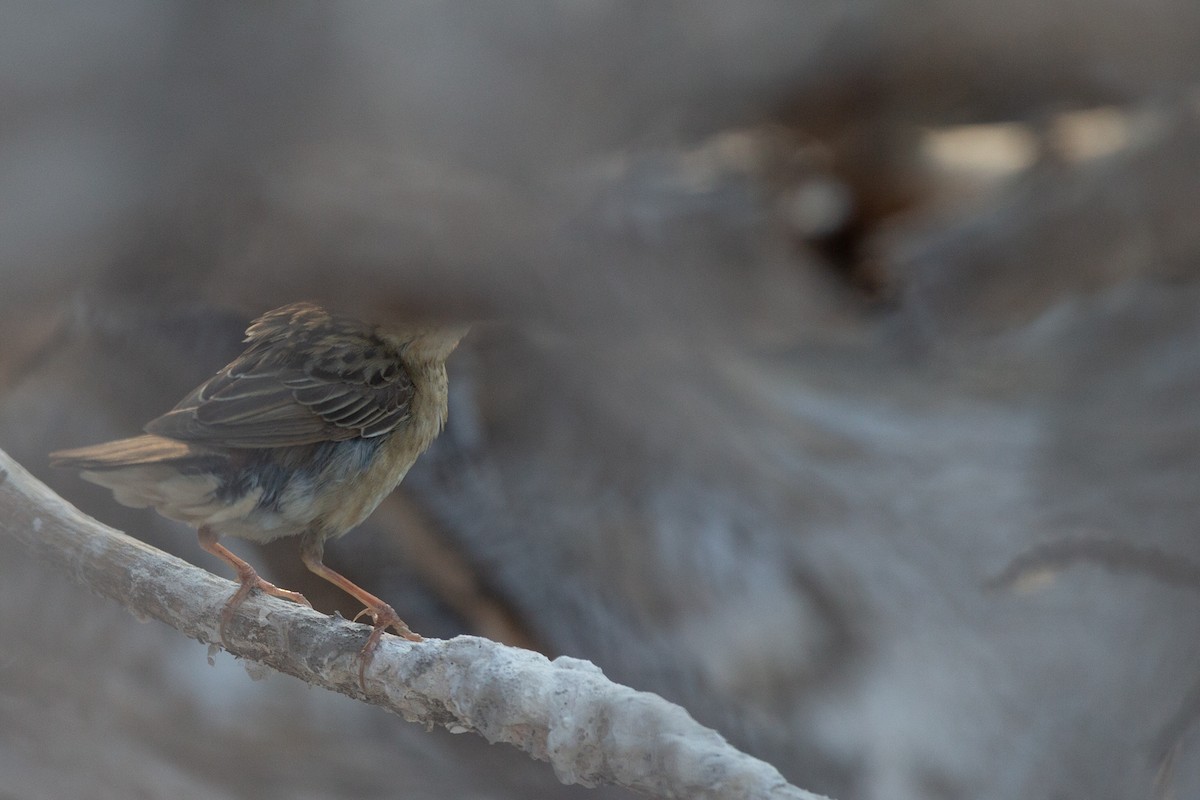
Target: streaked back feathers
x,y
306,377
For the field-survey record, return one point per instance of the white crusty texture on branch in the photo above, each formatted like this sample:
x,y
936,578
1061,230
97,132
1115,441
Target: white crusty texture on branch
x,y
591,730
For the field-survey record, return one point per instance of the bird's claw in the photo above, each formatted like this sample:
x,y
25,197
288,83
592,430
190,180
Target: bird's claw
x,y
382,618
249,581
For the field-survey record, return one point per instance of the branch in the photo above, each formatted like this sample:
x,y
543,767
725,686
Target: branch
x,y
1117,556
591,730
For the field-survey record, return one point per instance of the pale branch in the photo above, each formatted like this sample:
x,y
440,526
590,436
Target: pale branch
x,y
592,731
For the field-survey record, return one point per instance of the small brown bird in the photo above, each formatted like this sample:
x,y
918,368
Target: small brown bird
x,y
303,434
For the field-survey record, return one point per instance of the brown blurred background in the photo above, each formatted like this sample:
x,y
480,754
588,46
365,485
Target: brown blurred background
x,y
802,322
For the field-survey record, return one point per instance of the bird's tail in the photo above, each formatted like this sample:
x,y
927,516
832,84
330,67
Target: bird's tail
x,y
174,477
136,451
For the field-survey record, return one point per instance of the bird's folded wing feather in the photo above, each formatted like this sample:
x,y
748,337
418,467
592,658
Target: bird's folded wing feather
x,y
304,379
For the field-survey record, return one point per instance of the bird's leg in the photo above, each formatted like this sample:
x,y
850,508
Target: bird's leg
x,y
383,616
247,577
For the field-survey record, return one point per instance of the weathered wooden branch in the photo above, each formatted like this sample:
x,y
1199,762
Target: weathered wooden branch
x,y
565,711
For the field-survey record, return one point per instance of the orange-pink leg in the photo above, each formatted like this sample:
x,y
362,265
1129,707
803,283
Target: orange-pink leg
x,y
383,616
247,577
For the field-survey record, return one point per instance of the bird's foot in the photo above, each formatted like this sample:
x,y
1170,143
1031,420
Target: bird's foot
x,y
382,617
249,581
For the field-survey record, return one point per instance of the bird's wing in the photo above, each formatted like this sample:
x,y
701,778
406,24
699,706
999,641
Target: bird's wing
x,y
307,376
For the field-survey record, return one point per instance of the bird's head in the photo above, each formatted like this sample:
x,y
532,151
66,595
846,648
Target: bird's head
x,y
425,344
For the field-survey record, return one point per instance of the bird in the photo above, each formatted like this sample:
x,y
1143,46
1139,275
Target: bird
x,y
303,434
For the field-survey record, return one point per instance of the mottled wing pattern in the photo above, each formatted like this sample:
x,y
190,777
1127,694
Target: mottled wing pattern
x,y
307,376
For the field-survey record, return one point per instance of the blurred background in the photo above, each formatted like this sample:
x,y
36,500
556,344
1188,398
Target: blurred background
x,y
803,323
